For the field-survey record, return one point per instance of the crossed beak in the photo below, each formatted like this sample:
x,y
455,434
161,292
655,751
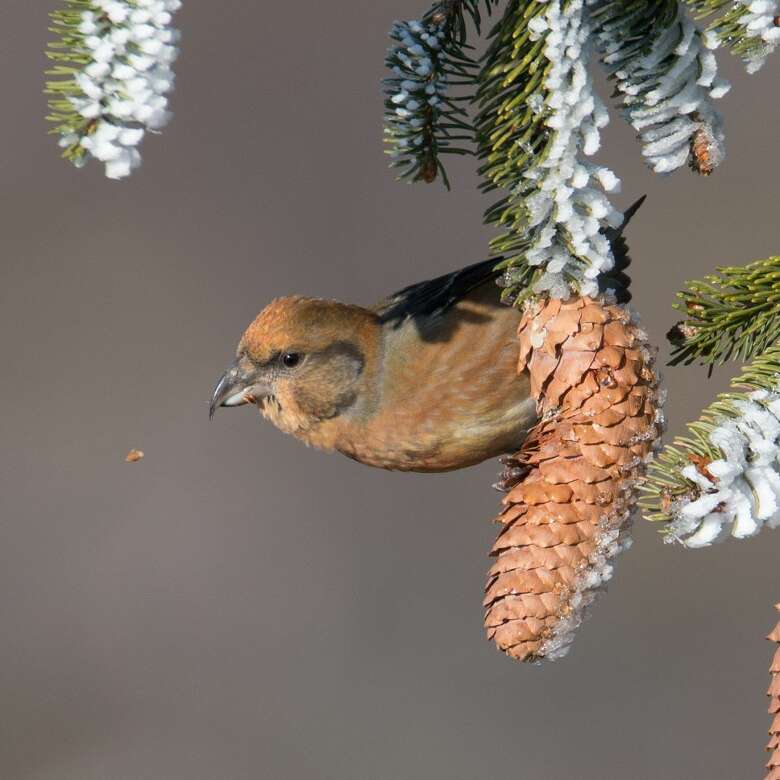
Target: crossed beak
x,y
236,387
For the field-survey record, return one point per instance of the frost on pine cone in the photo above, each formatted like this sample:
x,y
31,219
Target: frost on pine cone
x,y
571,487
773,765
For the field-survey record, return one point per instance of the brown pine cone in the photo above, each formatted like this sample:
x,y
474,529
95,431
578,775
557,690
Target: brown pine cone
x,y
567,512
773,765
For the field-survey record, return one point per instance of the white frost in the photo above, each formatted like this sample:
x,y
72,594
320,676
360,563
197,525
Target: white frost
x,y
418,83
566,205
739,493
131,45
758,20
589,584
667,88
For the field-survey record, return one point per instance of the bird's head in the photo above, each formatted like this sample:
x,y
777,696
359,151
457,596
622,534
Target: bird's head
x,y
302,361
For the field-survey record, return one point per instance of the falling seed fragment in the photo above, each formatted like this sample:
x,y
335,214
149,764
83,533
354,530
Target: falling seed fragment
x,y
134,456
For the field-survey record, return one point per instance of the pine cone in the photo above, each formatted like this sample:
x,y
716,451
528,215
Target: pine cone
x,y
773,765
568,514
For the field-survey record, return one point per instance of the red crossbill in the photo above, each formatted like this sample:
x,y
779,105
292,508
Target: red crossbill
x,y
425,380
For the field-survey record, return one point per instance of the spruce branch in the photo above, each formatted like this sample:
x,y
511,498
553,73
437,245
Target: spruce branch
x,y
111,76
458,13
539,118
423,120
724,475
733,314
666,76
751,30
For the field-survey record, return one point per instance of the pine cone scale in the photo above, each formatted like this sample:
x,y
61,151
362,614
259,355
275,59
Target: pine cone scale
x,y
570,532
773,765
526,605
534,557
595,390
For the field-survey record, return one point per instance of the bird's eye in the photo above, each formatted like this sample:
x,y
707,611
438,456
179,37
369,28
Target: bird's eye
x,y
290,359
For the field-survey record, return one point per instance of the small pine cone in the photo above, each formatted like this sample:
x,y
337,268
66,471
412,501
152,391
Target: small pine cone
x,y
702,152
591,373
773,765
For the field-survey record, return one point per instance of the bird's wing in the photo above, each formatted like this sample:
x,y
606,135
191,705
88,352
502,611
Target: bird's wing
x,y
434,296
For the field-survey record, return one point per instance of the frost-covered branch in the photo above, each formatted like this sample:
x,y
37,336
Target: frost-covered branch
x,y
750,29
423,118
112,77
737,493
666,74
724,477
422,121
537,127
538,120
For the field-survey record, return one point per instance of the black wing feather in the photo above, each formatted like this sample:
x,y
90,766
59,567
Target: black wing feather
x,y
435,296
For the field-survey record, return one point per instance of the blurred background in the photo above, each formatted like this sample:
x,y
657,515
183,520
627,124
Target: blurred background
x,y
237,606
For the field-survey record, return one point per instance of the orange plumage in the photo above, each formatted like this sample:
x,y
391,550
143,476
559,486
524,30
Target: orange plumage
x,y
424,381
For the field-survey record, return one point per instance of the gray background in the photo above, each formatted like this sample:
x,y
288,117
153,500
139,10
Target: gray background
x,y
237,606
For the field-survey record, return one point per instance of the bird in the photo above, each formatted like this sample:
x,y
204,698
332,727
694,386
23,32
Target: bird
x,y
426,380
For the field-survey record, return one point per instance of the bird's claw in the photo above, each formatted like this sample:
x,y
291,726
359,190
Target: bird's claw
x,y
513,472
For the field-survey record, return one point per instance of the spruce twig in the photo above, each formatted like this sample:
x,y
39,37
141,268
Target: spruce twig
x,y
732,314
423,119
110,79
725,469
751,30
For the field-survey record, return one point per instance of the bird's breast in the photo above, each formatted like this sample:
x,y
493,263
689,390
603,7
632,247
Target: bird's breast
x,y
449,392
